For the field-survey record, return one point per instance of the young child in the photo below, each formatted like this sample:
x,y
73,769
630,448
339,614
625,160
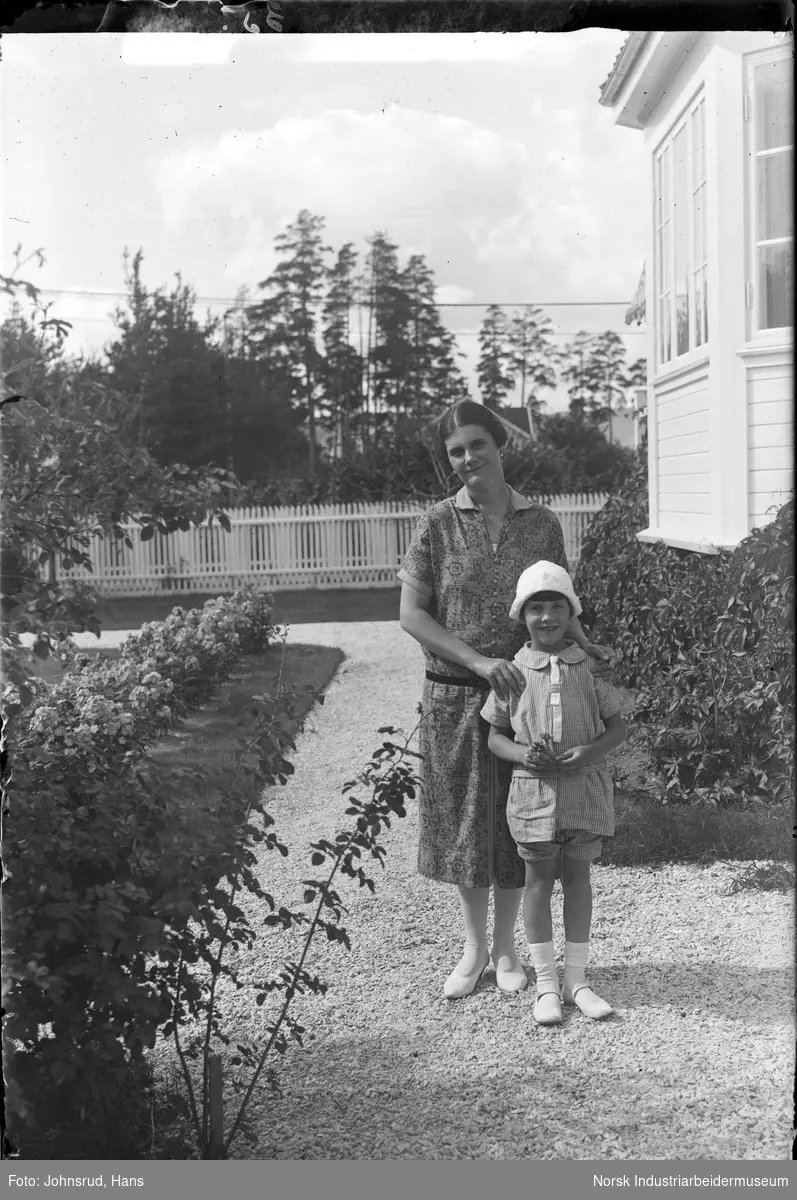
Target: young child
x,y
564,721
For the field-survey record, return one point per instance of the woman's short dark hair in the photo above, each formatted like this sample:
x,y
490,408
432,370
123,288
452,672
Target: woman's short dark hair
x,y
468,412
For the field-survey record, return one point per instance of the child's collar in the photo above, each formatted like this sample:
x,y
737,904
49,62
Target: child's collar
x,y
536,660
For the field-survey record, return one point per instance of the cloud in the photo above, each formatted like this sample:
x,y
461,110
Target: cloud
x,y
451,293
430,180
474,200
559,215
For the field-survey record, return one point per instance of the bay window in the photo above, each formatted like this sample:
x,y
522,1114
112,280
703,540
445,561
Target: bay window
x,y
768,113
680,276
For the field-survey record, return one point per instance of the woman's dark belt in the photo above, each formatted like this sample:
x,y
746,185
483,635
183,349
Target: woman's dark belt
x,y
457,681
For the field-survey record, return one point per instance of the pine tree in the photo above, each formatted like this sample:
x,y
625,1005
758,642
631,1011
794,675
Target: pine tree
x,y
579,374
390,345
435,379
288,313
637,374
609,368
494,369
533,357
343,365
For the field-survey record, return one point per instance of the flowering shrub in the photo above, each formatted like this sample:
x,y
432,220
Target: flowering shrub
x,y
708,641
110,875
721,726
103,711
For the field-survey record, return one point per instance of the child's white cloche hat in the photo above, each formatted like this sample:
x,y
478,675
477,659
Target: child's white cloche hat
x,y
543,577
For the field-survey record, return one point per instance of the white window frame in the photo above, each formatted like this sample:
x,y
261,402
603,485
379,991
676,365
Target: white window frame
x,y
695,353
754,331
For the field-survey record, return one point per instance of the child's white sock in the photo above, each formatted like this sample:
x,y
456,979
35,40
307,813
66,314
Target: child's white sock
x,y
575,963
544,964
547,1008
576,990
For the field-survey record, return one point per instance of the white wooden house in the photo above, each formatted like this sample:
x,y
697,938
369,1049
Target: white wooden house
x,y
715,111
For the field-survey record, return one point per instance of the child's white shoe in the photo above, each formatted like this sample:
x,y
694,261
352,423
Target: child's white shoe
x,y
548,1009
591,1004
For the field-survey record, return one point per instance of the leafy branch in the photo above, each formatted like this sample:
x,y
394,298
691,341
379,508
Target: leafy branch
x,y
391,781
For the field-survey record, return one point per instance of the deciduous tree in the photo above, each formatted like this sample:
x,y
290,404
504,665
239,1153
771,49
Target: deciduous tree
x,y
165,363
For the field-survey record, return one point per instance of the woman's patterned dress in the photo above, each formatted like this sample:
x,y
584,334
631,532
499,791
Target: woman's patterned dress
x,y
464,837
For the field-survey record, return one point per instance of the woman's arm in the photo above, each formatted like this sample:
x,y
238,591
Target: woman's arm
x,y
416,620
601,655
577,634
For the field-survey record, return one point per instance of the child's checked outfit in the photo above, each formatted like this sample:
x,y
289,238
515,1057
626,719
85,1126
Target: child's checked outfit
x,y
565,700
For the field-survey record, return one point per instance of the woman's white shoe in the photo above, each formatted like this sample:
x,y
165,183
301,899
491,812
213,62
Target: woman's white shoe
x,y
511,979
457,985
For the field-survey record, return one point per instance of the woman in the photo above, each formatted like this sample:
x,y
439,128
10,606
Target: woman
x,y
458,584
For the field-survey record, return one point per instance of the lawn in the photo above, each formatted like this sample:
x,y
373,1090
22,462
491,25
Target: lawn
x,y
299,608
208,737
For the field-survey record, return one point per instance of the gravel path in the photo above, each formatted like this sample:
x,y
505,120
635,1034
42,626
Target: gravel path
x,y
698,1063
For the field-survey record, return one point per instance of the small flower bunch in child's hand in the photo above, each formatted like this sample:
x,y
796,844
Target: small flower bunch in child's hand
x,y
540,758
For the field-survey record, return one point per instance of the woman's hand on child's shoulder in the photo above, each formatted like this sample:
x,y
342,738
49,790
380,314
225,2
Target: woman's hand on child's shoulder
x,y
601,659
505,679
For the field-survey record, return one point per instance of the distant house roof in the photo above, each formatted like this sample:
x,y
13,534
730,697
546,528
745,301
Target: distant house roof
x,y
629,52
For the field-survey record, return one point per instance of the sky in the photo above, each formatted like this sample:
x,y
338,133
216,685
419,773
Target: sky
x,y
487,153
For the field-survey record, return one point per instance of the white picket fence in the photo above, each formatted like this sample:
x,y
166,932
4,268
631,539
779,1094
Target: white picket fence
x,y
359,545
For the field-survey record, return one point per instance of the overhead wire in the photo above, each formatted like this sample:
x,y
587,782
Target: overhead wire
x,y
456,332
440,303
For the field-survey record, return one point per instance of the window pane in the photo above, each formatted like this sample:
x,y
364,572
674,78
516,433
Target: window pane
x,y
681,234
666,191
775,285
665,340
699,227
772,100
698,290
699,144
773,196
705,306
659,197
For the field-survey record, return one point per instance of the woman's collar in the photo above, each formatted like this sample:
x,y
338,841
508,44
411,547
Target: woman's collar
x,y
463,499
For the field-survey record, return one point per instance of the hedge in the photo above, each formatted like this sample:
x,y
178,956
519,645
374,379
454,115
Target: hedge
x,y
112,878
708,643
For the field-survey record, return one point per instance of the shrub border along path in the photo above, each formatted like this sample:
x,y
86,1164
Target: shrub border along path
x,y
698,1062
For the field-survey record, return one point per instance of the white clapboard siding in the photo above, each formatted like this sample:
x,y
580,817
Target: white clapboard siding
x,y
303,546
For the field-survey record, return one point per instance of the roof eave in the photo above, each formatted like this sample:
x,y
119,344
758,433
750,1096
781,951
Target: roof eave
x,y
624,64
